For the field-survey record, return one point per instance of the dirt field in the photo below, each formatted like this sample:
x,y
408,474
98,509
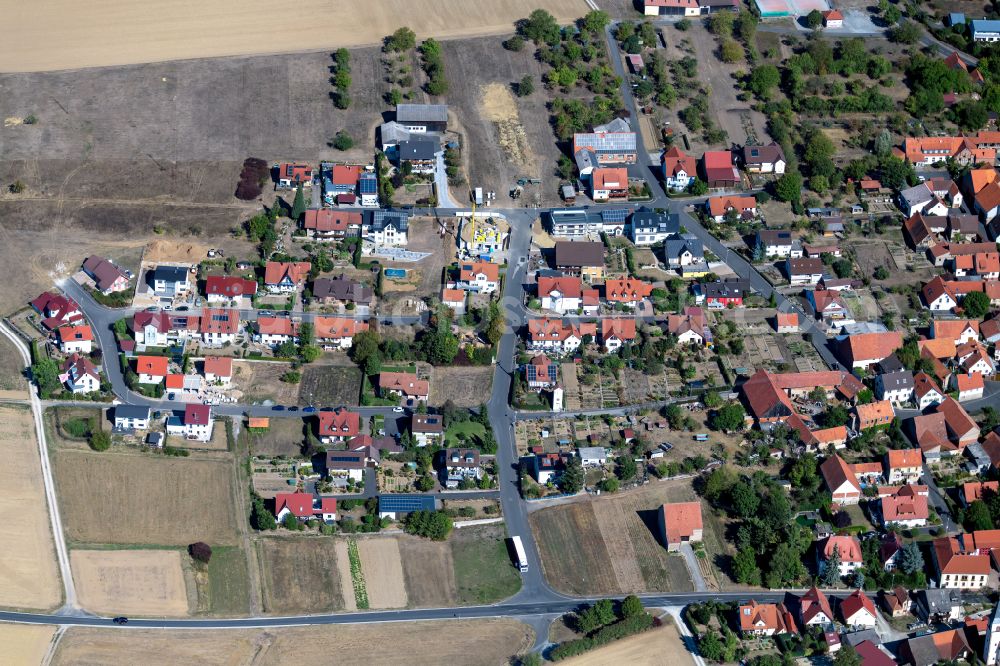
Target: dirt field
x,y
585,550
29,577
383,569
153,500
283,437
656,646
330,386
258,381
466,387
25,643
117,33
132,582
343,561
300,576
429,572
12,382
473,642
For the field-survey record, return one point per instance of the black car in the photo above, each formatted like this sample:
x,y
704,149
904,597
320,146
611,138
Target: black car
x,y
120,620
293,409
278,408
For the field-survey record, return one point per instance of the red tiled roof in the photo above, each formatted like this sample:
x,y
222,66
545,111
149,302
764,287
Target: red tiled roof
x,y
836,473
197,414
74,333
626,291
300,504
339,423
856,602
336,328
622,328
221,366
223,321
151,365
276,271
230,287
902,458
569,287
680,520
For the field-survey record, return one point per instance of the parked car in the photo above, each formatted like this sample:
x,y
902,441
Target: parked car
x,y
397,410
309,410
120,620
278,408
293,409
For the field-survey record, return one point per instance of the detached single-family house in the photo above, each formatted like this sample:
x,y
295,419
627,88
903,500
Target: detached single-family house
x,y
840,480
804,271
350,464
628,292
337,332
331,291
906,507
592,456
75,339
558,336
926,392
427,429
460,465
903,466
386,227
218,370
479,276
304,507
765,619
339,425
129,418
107,277
325,224
272,331
873,415
786,322
285,277
609,183
233,291
403,385
57,310
858,611
647,227
679,169
833,19
616,332
895,387
680,522
541,373
563,294
969,385
685,254
80,375
582,258
219,326
151,369
169,281
764,159
194,423
848,549
774,243
420,154
866,349
814,608
743,207
293,174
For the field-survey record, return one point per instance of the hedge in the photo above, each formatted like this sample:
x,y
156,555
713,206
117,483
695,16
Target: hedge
x,y
612,632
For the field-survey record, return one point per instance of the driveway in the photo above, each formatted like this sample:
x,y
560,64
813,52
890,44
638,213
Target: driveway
x,y
694,568
441,184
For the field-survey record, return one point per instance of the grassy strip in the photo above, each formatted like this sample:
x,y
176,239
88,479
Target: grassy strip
x,y
357,576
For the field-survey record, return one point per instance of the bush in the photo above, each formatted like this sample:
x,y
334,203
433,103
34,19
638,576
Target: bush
x,y
200,551
436,525
291,377
255,173
342,141
605,635
402,40
100,441
515,43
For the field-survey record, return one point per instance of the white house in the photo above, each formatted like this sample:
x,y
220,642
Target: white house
x,y
592,456
195,423
75,339
859,611
648,227
482,277
80,375
272,331
560,294
969,385
774,242
386,227
219,326
170,281
427,429
848,549
896,387
151,369
131,417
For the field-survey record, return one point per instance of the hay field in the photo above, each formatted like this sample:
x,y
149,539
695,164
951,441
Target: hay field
x,y
29,577
130,582
25,643
70,35
119,498
301,576
656,646
429,572
467,642
609,545
383,571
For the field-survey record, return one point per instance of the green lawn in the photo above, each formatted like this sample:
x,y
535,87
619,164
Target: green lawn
x,y
467,428
228,591
483,569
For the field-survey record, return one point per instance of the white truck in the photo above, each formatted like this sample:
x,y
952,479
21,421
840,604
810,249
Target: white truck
x,y
522,559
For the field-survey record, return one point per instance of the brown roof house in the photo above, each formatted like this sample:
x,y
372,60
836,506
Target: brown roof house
x,y
582,258
427,428
345,290
680,522
403,385
765,619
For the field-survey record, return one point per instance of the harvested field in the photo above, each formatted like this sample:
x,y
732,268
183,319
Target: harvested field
x,y
326,385
343,561
466,387
383,570
29,577
116,33
662,645
300,576
25,643
259,381
428,571
130,582
13,385
585,549
154,500
472,642
283,437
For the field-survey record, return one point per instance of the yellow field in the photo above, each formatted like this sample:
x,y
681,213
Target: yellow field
x,y
383,571
467,642
29,577
67,34
654,647
131,582
119,498
25,644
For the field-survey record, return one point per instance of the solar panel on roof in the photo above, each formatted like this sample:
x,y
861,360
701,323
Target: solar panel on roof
x,y
614,215
405,503
532,373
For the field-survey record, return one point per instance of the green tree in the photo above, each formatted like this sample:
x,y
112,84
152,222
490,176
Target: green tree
x,y
100,440
730,418
976,305
610,485
744,498
730,50
260,517
632,606
595,21
763,79
977,517
789,187
343,141
907,32
539,27
785,566
403,39
883,143
299,205
698,187
911,560
45,372
881,273
709,645
814,19
626,468
847,656
745,569
526,85
831,570
435,525
571,481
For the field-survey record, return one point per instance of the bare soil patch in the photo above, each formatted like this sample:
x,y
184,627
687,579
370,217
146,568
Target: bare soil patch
x,y
153,500
429,572
466,387
500,108
130,582
383,569
29,577
300,576
258,381
26,643
324,385
283,437
473,642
